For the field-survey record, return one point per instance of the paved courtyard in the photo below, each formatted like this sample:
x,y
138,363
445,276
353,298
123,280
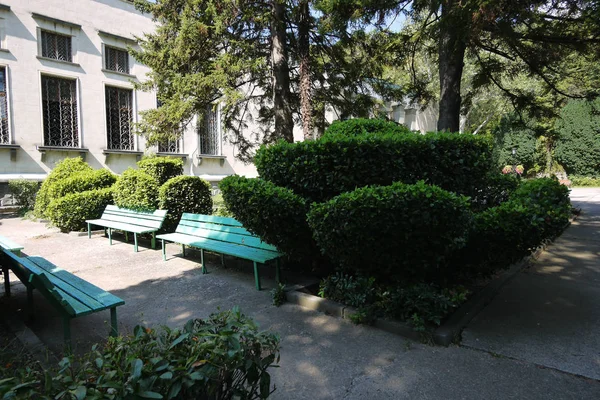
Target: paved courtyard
x,y
538,339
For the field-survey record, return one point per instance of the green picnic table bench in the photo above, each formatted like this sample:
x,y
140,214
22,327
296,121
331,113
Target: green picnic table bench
x,y
70,295
126,220
226,236
7,244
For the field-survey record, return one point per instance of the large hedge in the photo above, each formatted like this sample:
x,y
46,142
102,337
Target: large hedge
x,y
358,126
512,134
398,232
81,182
275,214
184,194
319,170
69,213
161,168
578,145
63,169
136,190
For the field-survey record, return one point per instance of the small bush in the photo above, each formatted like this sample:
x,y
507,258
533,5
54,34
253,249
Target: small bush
x,y
181,194
63,169
161,168
82,182
275,214
24,192
359,126
222,357
511,134
136,190
496,189
398,232
589,181
69,212
320,170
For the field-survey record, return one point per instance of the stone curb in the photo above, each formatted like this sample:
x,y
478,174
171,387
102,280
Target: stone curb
x,y
30,341
444,335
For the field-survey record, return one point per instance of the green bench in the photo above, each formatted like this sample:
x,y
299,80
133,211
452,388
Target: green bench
x,y
126,220
9,245
226,236
70,295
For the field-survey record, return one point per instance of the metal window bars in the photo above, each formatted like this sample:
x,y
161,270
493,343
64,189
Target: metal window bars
x,y
119,114
116,60
171,146
4,133
57,47
59,102
208,133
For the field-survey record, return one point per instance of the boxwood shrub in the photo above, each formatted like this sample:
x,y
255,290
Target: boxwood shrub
x,y
136,190
358,126
161,168
319,170
184,194
495,190
275,214
398,232
81,182
70,212
63,169
24,192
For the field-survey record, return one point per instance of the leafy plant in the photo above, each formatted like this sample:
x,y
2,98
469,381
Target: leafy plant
x,y
68,213
136,190
161,168
359,126
590,181
81,182
181,194
278,294
24,193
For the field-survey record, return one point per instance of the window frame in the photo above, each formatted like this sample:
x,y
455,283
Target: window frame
x,y
7,88
57,34
216,110
133,115
58,27
78,108
105,48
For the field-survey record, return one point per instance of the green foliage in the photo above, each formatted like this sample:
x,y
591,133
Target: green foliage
x,y
219,207
397,232
359,126
70,212
82,182
222,357
352,290
184,194
161,168
319,170
578,144
24,192
512,134
63,169
496,189
278,295
590,181
273,213
136,190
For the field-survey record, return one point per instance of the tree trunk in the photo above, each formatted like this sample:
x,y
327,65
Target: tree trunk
x,y
305,78
284,124
452,46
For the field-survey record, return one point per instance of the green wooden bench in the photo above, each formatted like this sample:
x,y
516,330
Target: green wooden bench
x,y
126,220
70,295
8,245
226,236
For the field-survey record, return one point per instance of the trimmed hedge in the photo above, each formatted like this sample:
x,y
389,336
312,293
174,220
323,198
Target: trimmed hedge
x,y
70,212
275,214
136,190
320,170
512,134
63,169
82,182
359,126
496,190
398,232
184,194
161,168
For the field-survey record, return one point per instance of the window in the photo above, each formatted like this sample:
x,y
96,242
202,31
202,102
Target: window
x,y
171,146
208,133
4,133
116,59
59,103
57,47
119,115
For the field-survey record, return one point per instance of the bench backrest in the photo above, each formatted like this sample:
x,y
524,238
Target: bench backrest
x,y
7,244
224,229
149,219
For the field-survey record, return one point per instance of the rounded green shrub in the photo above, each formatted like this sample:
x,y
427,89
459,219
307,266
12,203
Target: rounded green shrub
x,y
319,170
512,134
275,214
24,192
63,169
69,212
359,126
181,194
81,182
397,232
496,189
161,168
136,190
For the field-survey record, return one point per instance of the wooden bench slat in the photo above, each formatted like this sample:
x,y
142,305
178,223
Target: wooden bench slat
x,y
249,241
221,228
130,220
121,226
155,213
211,218
7,244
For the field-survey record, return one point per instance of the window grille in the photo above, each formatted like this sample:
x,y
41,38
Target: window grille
x,y
57,47
119,114
208,133
116,59
171,146
4,134
59,102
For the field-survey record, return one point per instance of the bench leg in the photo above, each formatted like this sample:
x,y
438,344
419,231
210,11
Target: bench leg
x,y
153,241
183,250
222,260
127,236
6,281
256,276
89,231
67,332
135,246
105,234
164,250
114,328
110,236
204,271
277,271
30,301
